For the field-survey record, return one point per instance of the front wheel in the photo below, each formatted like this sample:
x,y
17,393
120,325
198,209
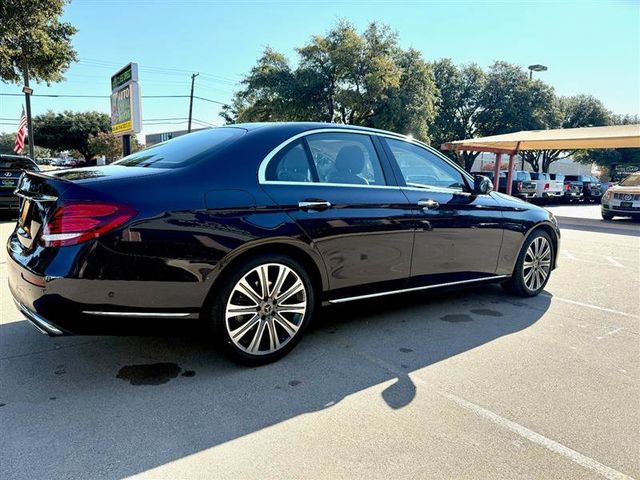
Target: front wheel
x,y
533,266
607,216
263,309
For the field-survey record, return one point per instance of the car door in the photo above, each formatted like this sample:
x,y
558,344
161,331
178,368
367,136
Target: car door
x,y
343,195
458,233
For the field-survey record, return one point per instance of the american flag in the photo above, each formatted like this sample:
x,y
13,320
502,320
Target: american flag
x,y
21,133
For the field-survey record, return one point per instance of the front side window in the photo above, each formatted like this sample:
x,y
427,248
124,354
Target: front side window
x,y
422,168
345,158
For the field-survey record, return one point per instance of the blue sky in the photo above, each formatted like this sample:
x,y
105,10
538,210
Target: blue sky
x,y
589,47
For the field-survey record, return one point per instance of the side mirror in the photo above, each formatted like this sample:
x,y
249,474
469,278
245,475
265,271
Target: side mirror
x,y
482,185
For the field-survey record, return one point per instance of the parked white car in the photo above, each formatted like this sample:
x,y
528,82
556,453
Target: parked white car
x,y
623,199
546,188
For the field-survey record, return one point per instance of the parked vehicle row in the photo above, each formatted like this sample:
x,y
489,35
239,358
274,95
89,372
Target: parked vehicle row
x,y
550,187
11,169
623,199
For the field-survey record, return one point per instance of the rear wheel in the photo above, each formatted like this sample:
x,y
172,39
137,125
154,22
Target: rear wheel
x,y
533,267
262,309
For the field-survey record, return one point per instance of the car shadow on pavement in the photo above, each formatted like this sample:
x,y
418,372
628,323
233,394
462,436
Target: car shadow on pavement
x,y
110,407
618,226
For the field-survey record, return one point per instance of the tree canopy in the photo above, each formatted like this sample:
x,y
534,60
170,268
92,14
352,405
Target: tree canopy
x,y
345,77
31,35
8,141
109,145
69,130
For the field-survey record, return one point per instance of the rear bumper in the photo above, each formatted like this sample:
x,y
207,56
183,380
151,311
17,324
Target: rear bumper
x,y
552,194
40,323
52,305
526,195
9,202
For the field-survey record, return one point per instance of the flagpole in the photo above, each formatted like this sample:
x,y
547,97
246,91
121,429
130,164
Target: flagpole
x,y
27,94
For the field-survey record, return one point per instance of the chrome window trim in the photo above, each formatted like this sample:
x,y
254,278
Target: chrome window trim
x,y
265,161
415,289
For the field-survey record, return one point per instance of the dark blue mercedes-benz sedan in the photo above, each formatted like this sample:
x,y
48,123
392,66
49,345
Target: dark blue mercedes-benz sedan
x,y
250,228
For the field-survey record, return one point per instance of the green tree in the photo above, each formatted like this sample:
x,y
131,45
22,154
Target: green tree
x,y
109,145
34,41
458,105
8,141
346,77
577,111
511,102
69,130
609,156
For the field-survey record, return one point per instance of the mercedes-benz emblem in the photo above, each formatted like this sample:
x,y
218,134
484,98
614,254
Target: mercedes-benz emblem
x,y
628,196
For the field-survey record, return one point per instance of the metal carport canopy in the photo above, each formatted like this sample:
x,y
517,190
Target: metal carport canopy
x,y
615,136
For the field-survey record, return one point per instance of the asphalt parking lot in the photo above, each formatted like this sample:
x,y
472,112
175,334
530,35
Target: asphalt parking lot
x,y
464,384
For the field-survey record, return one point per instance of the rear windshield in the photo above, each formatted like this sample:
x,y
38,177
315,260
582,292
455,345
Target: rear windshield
x,y
539,176
555,176
522,176
573,178
183,150
16,164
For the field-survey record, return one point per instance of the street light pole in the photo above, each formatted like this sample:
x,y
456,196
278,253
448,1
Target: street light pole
x,y
193,79
536,68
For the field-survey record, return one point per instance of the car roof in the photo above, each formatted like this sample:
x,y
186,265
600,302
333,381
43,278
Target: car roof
x,y
305,126
15,157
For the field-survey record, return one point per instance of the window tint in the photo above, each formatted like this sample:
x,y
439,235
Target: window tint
x,y
182,150
16,163
422,168
290,165
522,176
347,158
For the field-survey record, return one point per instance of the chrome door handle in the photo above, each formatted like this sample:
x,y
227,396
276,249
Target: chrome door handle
x,y
314,205
428,204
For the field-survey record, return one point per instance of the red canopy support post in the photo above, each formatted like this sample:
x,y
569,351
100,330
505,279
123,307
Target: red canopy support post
x,y
496,172
510,173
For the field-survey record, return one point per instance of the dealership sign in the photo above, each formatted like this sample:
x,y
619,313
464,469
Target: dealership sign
x,y
125,101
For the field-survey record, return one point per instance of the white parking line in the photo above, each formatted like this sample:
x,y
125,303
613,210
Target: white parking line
x,y
524,432
535,437
588,305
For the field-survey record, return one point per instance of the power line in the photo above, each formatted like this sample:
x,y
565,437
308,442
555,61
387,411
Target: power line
x,y
108,96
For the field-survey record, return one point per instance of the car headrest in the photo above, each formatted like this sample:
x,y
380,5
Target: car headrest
x,y
350,159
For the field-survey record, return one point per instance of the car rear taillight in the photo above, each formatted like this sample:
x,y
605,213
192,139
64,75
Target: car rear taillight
x,y
567,186
78,222
546,186
519,186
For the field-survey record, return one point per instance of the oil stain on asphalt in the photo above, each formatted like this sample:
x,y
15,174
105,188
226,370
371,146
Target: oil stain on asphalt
x,y
486,312
457,318
152,374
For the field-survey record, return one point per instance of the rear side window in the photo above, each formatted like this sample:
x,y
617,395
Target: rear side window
x,y
290,165
523,176
184,150
8,163
345,158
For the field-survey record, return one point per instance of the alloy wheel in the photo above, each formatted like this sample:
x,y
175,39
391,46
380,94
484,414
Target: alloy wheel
x,y
537,263
266,309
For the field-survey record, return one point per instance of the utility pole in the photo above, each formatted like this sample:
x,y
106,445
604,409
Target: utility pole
x,y
193,79
27,95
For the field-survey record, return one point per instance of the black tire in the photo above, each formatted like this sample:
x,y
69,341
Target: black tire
x,y
606,216
516,284
216,320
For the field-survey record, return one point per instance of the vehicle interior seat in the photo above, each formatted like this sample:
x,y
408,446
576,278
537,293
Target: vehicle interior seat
x,y
348,166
